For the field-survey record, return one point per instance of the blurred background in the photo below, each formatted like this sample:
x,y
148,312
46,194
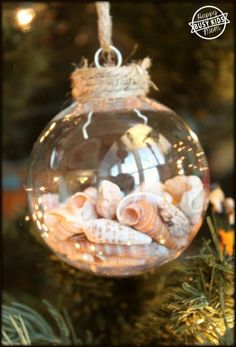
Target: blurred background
x,y
42,43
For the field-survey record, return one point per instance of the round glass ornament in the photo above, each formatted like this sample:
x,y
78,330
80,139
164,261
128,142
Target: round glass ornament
x,y
118,187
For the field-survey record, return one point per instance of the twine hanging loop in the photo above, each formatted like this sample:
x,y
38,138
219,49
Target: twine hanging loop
x,y
111,81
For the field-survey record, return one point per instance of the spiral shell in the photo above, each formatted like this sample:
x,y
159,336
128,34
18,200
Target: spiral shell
x,y
176,186
80,205
107,231
156,217
109,195
192,201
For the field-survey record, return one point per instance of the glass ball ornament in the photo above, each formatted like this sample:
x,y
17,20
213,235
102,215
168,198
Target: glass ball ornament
x,y
118,187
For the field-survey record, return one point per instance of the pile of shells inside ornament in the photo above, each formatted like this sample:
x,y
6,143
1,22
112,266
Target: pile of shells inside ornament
x,y
119,196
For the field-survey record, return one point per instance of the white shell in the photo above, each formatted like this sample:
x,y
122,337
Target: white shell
x,y
155,187
167,197
192,201
80,205
109,195
107,231
92,193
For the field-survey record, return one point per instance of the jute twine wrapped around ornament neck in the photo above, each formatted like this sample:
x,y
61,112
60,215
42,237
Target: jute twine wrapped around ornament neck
x,y
90,84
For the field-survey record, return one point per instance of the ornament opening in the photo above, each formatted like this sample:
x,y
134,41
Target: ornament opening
x,y
118,187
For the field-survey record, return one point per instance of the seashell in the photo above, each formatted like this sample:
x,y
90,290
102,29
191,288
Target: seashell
x,y
155,216
108,231
176,186
135,251
92,193
150,187
192,201
109,195
80,205
167,197
49,201
61,224
177,222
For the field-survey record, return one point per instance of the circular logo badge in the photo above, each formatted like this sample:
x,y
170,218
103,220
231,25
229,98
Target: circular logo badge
x,y
209,22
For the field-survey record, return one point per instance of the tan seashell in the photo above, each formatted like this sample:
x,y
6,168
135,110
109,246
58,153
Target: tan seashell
x,y
140,211
109,195
135,251
133,198
192,201
49,201
177,223
61,224
155,216
176,186
67,220
92,193
80,205
108,231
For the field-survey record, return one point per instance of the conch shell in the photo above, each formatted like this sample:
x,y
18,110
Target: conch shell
x,y
149,213
176,186
109,195
108,231
192,201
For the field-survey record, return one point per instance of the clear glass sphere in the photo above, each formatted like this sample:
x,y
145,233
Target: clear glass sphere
x,y
118,187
